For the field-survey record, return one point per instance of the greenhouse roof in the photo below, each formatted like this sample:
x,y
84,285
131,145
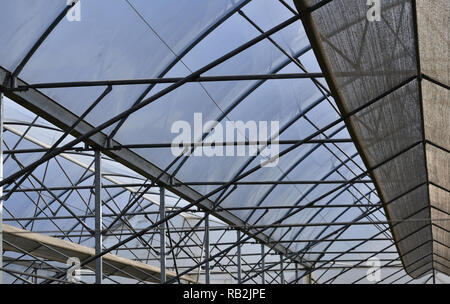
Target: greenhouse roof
x,y
362,109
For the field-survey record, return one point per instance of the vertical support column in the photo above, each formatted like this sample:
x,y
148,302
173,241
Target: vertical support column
x,y
1,187
239,264
281,269
98,217
162,235
35,272
296,273
308,278
207,278
263,264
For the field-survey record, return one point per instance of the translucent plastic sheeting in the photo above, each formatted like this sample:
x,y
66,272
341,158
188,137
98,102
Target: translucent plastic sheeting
x,y
213,99
184,22
130,40
245,112
24,22
279,109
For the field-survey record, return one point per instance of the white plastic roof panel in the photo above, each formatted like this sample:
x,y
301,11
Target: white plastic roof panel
x,y
128,42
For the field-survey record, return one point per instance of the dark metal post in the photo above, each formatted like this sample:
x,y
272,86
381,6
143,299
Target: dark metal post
x,y
239,265
308,278
162,235
207,268
263,265
98,217
281,270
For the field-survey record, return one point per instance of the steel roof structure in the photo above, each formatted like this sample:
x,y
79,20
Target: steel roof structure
x,y
91,89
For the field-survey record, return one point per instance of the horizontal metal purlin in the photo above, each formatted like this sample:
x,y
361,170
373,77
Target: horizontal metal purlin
x,y
181,145
168,80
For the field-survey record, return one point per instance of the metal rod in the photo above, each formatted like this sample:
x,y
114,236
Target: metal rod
x,y
98,218
271,207
32,275
185,144
278,182
286,225
263,264
304,182
162,236
81,187
121,82
169,80
238,257
207,268
273,254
